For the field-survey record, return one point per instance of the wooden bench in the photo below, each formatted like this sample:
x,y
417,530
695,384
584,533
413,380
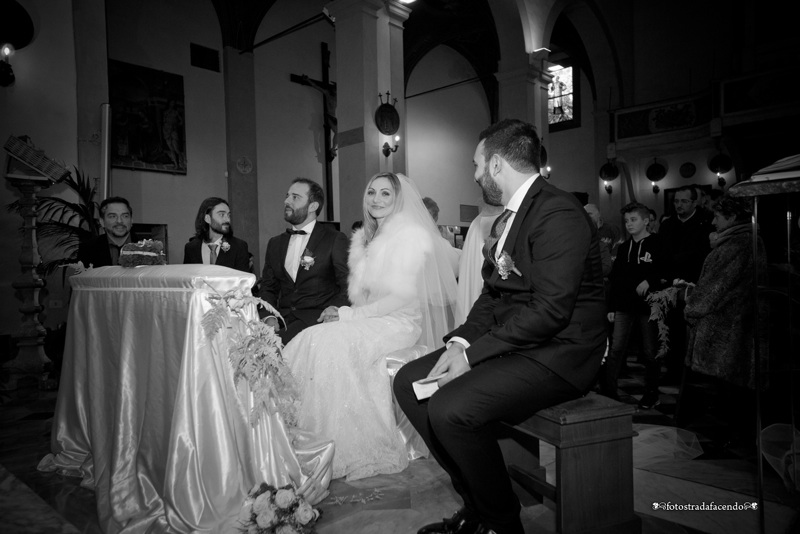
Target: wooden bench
x,y
593,490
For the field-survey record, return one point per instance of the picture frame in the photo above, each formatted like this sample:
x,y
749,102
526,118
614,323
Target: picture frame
x,y
148,123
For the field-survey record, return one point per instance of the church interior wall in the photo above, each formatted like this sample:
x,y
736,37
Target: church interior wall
x,y
42,105
442,131
572,165
157,35
289,115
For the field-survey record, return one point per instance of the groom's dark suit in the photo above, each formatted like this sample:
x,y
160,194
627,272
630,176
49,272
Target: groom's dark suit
x,y
535,340
323,284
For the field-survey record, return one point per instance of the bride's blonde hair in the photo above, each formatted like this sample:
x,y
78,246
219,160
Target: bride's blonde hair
x,y
370,223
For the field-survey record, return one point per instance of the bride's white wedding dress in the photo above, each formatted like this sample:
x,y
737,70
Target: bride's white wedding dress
x,y
341,366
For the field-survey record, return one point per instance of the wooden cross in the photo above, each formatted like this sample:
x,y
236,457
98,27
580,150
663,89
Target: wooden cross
x,y
328,90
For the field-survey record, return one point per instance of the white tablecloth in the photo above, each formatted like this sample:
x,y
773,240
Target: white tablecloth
x,y
147,410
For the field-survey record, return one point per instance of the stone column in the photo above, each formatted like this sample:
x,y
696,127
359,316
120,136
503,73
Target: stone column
x,y
91,66
369,62
240,134
523,85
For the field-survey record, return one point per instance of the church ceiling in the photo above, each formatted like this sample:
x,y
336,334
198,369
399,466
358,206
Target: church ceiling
x,y
467,26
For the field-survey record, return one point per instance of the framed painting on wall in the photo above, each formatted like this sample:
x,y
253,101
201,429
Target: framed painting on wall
x,y
147,119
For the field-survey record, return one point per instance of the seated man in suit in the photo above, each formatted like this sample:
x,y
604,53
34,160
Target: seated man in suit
x,y
213,242
305,268
533,339
117,221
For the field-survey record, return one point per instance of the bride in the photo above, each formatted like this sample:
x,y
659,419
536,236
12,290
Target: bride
x,y
403,292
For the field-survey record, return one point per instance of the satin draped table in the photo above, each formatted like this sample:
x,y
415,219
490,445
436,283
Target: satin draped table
x,y
148,413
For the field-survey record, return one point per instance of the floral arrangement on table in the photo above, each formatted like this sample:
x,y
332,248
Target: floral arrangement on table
x,y
145,252
270,510
254,352
661,302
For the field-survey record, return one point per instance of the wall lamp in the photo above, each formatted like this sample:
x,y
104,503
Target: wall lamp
x,y
719,165
608,173
388,149
655,172
16,32
6,72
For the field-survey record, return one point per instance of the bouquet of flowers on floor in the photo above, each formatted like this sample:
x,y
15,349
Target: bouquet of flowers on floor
x,y
268,510
254,352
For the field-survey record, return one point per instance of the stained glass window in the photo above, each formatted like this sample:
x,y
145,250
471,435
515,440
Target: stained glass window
x,y
560,101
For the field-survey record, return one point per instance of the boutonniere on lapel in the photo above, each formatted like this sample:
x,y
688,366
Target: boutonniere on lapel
x,y
225,246
505,266
307,259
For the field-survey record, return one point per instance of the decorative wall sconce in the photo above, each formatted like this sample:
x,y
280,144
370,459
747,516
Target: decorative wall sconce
x,y
655,172
544,168
16,32
6,72
388,122
719,165
388,149
608,173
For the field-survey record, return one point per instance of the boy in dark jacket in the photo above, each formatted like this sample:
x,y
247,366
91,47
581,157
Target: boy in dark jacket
x,y
637,270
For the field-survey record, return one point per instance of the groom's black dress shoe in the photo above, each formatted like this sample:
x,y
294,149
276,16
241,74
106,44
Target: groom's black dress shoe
x,y
460,523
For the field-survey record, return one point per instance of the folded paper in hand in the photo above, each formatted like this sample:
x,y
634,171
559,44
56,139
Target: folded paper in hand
x,y
426,387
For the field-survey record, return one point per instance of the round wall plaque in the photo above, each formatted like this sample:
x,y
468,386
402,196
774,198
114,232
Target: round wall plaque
x,y
387,119
244,165
687,170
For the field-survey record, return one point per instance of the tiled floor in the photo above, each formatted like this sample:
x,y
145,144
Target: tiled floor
x,y
725,473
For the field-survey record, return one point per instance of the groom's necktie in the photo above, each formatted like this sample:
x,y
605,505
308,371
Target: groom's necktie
x,y
213,248
494,235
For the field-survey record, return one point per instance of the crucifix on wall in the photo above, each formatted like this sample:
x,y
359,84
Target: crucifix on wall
x,y
328,90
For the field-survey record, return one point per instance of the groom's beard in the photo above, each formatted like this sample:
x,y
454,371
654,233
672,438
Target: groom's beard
x,y
492,194
295,217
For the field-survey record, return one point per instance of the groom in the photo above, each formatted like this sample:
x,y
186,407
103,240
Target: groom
x,y
305,268
534,338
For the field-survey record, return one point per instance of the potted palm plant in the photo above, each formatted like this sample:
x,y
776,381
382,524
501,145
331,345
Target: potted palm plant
x,y
62,225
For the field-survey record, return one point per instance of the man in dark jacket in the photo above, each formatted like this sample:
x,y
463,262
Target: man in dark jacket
x,y
213,242
685,237
117,221
533,339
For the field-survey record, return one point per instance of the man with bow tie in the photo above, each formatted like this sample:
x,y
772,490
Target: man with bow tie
x,y
533,339
305,268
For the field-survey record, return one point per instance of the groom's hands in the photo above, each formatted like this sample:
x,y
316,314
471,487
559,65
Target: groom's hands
x,y
453,362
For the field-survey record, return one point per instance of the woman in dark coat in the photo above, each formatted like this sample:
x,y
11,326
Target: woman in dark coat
x,y
719,309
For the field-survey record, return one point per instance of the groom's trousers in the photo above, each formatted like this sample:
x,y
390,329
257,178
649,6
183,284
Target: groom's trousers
x,y
459,424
